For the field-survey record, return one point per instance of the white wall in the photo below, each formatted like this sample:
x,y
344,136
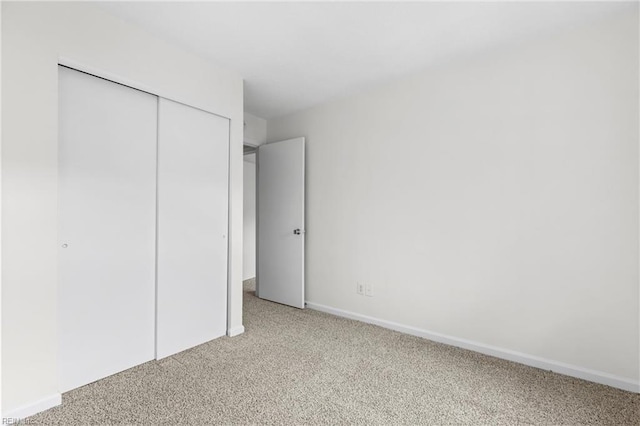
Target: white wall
x,y
34,37
249,230
494,199
255,129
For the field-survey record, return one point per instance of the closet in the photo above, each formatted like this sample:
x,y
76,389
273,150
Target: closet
x,y
143,223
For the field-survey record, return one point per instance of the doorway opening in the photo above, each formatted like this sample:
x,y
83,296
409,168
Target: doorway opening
x,y
249,218
274,221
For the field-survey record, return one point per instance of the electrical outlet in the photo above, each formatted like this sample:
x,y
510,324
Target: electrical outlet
x,y
360,289
369,290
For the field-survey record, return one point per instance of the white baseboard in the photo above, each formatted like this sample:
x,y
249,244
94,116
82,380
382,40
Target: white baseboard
x,y
522,358
232,332
12,416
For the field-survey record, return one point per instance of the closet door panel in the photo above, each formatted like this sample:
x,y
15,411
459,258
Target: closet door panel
x,y
107,211
193,181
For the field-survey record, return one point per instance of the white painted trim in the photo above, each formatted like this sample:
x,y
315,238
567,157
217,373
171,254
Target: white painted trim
x,y
88,69
235,331
32,408
519,357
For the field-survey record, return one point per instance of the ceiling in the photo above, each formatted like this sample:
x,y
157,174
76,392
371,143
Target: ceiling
x,y
295,55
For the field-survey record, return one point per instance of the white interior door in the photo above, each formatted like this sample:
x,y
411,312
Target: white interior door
x,y
193,194
280,214
107,213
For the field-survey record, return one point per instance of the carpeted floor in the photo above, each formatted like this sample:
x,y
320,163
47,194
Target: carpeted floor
x,y
305,367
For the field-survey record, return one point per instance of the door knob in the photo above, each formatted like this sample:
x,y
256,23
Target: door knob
x,y
297,231
65,245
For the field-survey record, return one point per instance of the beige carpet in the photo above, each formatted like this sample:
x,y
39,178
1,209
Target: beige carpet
x,y
305,367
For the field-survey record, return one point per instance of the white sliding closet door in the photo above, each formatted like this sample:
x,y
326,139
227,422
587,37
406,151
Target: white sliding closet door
x,y
107,213
193,182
